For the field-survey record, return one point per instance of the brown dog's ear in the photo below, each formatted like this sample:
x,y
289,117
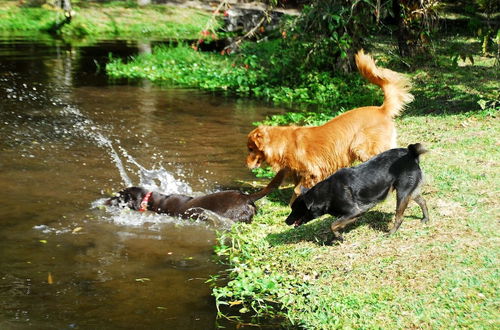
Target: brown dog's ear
x,y
257,136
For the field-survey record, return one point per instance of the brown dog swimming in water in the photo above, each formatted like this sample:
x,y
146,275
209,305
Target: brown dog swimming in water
x,y
315,152
231,204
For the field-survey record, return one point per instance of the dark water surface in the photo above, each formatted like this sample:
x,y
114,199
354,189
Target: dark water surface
x,y
68,136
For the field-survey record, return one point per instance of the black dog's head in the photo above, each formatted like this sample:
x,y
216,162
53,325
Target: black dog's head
x,y
301,212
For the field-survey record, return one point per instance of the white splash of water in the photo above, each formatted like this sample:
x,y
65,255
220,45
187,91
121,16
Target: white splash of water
x,y
159,180
46,229
86,127
154,179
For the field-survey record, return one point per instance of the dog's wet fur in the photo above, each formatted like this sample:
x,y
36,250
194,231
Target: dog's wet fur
x,y
231,204
350,192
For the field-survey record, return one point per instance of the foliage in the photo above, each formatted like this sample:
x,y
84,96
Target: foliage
x,y
326,34
26,19
321,95
489,35
416,21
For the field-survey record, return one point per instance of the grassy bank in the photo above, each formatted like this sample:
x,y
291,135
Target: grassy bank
x,y
244,75
107,20
320,95
440,275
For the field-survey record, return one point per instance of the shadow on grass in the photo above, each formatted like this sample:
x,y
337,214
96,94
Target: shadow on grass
x,y
466,86
445,84
281,196
318,231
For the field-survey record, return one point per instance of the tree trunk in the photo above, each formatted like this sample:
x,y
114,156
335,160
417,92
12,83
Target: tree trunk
x,y
404,49
66,6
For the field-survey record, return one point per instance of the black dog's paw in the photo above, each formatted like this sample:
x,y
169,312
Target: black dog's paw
x,y
337,239
337,236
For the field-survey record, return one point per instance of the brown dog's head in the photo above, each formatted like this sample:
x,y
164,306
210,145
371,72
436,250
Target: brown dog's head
x,y
255,144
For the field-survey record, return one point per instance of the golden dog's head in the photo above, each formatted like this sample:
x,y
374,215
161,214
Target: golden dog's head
x,y
255,144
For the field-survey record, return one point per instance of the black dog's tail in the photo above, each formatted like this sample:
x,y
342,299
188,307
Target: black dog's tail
x,y
417,149
275,183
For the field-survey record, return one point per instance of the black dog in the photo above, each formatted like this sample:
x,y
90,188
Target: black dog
x,y
231,204
350,192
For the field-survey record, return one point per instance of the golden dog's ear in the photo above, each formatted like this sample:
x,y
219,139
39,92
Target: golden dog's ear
x,y
257,138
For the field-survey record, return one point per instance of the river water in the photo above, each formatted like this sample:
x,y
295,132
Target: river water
x,y
68,138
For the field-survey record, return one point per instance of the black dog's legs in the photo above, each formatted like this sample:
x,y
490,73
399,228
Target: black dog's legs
x,y
341,223
423,205
402,202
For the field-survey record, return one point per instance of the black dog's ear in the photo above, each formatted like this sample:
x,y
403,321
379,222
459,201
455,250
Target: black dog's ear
x,y
303,190
308,200
316,208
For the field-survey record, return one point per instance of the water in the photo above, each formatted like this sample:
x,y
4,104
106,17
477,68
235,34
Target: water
x,y
68,138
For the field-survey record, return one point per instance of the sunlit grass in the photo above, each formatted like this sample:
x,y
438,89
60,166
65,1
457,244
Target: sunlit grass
x,y
169,22
104,21
440,275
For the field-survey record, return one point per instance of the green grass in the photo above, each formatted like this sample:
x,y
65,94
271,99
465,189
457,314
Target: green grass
x,y
180,65
109,20
440,275
13,18
170,22
441,85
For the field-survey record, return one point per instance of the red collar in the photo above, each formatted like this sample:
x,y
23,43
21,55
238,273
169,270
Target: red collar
x,y
145,201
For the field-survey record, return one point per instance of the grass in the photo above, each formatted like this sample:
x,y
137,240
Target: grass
x,y
321,95
440,275
180,65
109,20
13,18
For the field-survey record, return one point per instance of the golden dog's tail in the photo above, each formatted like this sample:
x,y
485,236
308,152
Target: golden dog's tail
x,y
396,86
275,183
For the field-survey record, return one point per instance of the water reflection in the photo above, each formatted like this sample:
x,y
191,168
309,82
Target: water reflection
x,y
113,269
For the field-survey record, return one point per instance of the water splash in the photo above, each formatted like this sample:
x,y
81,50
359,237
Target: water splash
x,y
149,178
157,179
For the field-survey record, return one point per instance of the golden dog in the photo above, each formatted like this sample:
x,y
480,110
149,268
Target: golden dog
x,y
313,153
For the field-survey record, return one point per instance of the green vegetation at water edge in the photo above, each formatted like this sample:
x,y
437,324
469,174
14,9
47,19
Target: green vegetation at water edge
x,y
245,75
442,83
